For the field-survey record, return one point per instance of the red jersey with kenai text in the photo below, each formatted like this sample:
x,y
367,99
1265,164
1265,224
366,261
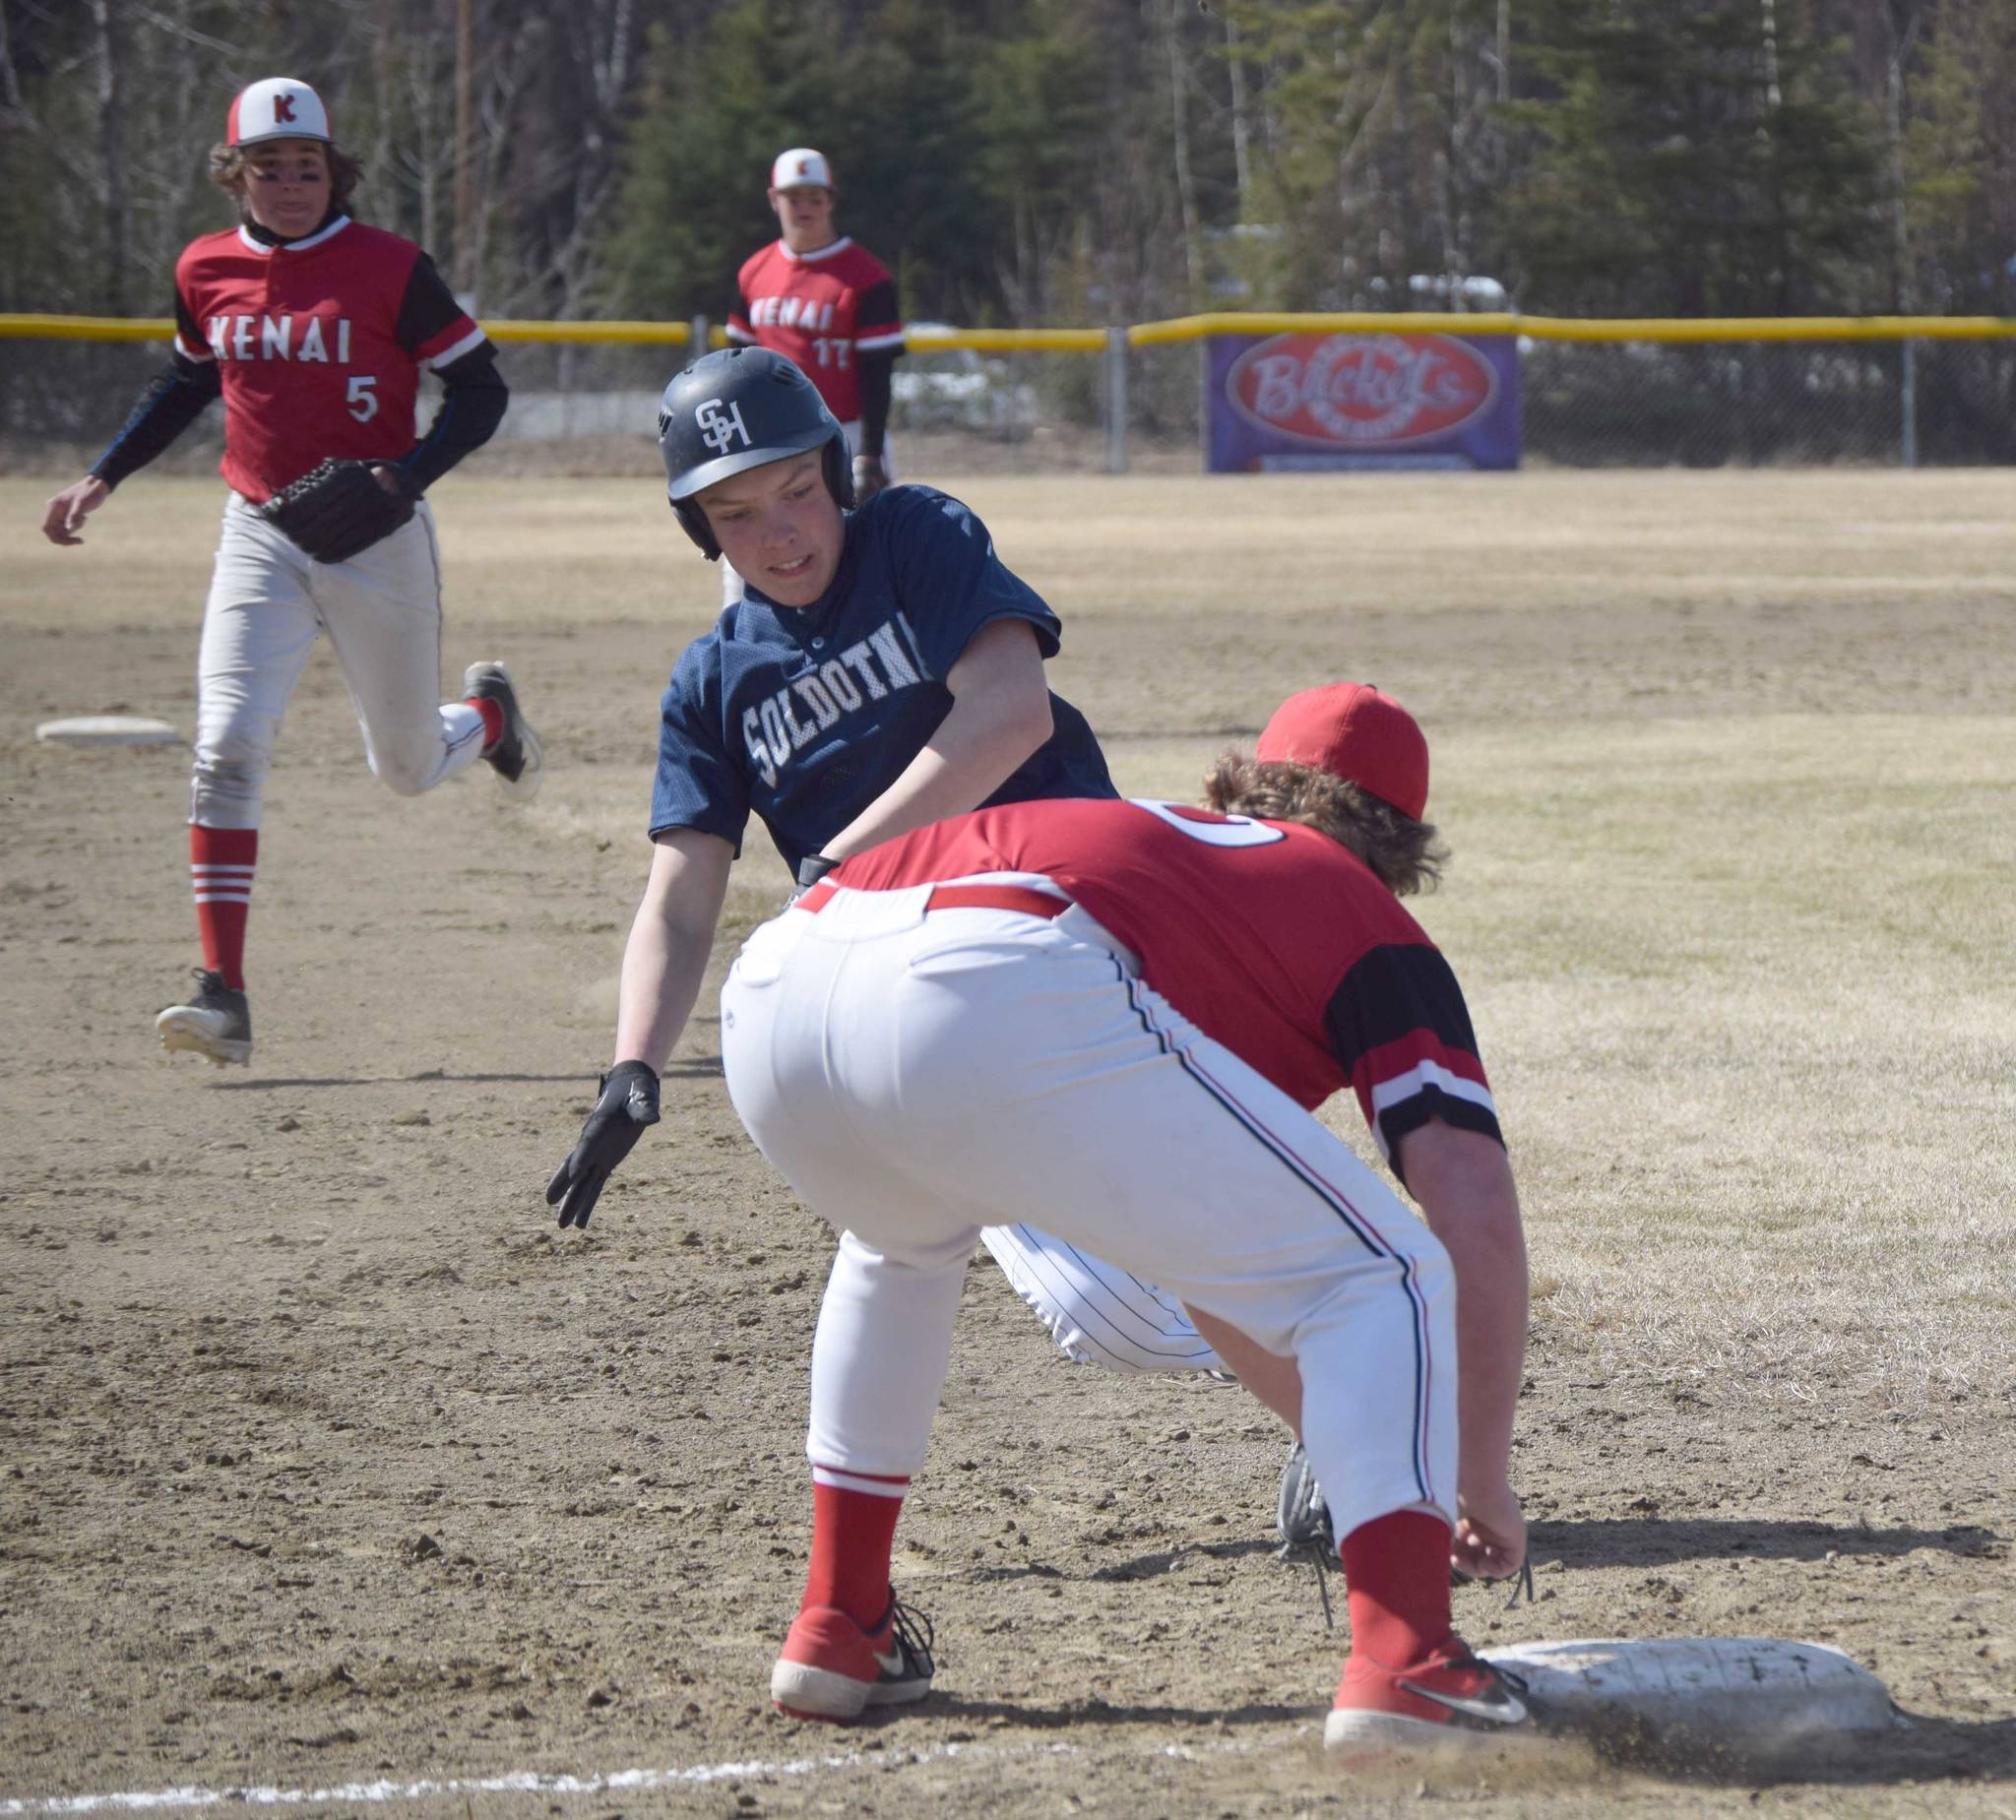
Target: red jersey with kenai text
x,y
319,344
821,310
1269,936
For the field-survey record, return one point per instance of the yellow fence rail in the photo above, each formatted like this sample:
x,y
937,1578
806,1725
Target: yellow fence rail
x,y
1668,329
1112,345
1671,329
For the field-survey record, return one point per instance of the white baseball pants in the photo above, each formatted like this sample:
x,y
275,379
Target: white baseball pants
x,y
918,1075
382,611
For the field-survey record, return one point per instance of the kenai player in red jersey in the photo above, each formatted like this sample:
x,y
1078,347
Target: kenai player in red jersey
x,y
824,301
314,329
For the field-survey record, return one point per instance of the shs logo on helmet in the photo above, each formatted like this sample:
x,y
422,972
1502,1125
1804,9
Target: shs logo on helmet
x,y
720,428
1361,391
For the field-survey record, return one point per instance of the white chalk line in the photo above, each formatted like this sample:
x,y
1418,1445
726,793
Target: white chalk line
x,y
527,1782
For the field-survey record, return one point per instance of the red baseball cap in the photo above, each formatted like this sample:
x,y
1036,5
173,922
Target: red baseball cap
x,y
1354,732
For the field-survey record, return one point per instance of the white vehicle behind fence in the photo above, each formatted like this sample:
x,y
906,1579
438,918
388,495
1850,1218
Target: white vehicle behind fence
x,y
956,388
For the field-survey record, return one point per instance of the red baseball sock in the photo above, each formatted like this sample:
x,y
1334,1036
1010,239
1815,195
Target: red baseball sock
x,y
1395,1574
221,865
493,720
854,1529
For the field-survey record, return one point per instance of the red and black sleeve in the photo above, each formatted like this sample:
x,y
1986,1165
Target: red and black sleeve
x,y
739,326
877,305
440,334
432,324
173,399
1401,1030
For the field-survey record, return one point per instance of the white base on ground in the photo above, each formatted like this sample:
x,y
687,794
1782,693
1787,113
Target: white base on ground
x,y
1734,1691
110,729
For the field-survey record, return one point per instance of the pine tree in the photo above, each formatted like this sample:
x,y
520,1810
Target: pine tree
x,y
1664,174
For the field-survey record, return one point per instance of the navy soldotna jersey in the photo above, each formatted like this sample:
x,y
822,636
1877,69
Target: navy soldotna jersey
x,y
804,716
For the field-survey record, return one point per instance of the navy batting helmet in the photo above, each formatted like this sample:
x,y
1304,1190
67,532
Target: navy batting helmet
x,y
737,408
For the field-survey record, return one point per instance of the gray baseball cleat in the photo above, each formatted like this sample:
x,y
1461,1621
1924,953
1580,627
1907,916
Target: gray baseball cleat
x,y
1300,1513
217,1021
517,757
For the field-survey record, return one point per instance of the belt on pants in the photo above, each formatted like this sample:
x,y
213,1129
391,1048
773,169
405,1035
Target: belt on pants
x,y
960,897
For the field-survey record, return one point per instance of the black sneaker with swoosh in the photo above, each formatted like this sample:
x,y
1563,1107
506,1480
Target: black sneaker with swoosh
x,y
1452,1701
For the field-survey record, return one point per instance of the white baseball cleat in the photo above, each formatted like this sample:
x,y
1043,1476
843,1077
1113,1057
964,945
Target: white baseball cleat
x,y
217,1021
517,756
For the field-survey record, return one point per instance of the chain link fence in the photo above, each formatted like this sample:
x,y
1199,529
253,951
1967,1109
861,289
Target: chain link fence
x,y
591,409
1749,404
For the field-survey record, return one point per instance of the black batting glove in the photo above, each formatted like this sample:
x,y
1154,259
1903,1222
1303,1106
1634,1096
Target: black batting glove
x,y
870,478
628,1102
812,870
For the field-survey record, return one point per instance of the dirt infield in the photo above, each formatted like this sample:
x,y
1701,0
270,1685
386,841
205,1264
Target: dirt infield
x,y
331,1465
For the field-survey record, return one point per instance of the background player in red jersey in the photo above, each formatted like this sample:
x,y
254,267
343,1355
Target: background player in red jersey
x,y
314,329
1115,1019
819,299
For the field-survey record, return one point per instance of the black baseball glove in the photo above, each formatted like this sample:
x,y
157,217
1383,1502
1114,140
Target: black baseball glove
x,y
628,1102
339,510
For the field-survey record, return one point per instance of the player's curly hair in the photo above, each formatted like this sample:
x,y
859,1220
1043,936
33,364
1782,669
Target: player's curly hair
x,y
227,171
1404,854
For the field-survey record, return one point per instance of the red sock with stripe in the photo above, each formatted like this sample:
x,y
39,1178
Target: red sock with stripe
x,y
853,1531
220,866
493,718
1396,1576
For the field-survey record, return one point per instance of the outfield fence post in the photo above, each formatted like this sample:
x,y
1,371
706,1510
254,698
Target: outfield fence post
x,y
1909,401
1116,400
696,338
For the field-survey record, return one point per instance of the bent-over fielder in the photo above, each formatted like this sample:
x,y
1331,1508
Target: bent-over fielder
x,y
1115,1016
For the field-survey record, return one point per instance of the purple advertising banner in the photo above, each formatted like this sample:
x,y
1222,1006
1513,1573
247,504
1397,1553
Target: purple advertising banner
x,y
1289,403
